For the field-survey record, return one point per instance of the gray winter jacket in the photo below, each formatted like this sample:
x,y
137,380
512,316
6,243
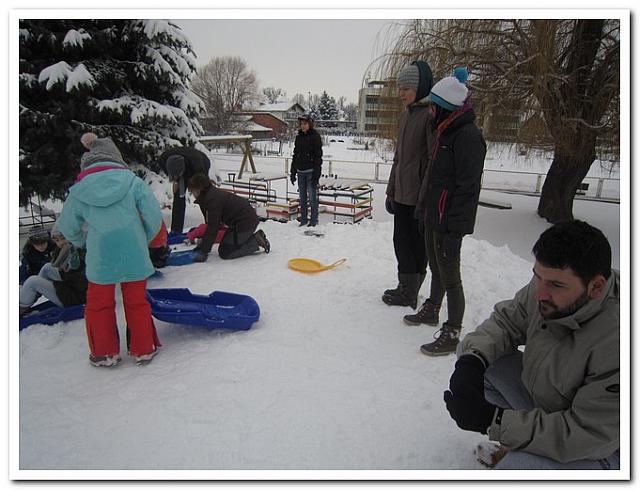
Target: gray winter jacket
x,y
413,151
571,368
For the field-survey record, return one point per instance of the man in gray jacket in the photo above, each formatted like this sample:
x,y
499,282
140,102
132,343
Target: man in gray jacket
x,y
410,163
557,404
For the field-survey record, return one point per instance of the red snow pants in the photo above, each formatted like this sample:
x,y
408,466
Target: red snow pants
x,y
100,319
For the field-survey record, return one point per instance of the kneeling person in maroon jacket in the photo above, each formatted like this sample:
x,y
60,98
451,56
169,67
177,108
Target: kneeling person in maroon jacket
x,y
221,207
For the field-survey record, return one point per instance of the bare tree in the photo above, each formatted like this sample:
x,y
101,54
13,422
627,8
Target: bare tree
x,y
225,84
562,74
299,99
273,94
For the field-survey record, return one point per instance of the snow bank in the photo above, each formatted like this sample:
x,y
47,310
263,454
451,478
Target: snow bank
x,y
329,378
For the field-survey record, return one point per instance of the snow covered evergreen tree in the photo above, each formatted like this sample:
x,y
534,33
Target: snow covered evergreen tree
x,y
127,79
327,108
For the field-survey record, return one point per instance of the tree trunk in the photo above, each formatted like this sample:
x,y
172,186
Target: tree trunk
x,y
566,173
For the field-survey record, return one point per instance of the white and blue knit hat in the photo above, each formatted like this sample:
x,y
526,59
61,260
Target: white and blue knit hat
x,y
451,92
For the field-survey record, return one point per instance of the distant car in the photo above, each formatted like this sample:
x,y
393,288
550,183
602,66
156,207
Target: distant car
x,y
340,141
332,141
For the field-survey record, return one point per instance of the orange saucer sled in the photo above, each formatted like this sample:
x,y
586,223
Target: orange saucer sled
x,y
310,265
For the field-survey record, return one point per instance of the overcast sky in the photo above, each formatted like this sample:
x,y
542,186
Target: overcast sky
x,y
299,56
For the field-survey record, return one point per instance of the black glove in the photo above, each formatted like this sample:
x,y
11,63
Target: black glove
x,y
293,177
200,257
467,379
451,243
474,414
315,178
388,205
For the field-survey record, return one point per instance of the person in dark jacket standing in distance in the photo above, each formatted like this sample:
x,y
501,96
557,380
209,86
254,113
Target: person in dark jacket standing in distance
x,y
306,165
225,208
180,164
410,164
449,202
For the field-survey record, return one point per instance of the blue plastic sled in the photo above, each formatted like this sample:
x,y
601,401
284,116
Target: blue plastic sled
x,y
182,258
176,238
217,310
48,313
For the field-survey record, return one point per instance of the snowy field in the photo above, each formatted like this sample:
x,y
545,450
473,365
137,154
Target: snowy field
x,y
329,378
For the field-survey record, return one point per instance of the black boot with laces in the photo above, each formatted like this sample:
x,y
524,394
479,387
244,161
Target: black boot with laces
x,y
446,342
426,315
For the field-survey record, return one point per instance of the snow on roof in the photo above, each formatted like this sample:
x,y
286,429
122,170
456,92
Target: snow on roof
x,y
227,137
252,126
277,107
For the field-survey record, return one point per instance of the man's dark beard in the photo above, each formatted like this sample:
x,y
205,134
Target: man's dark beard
x,y
563,312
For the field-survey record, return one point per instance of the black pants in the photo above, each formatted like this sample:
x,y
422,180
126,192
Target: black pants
x,y
445,278
177,213
236,244
408,243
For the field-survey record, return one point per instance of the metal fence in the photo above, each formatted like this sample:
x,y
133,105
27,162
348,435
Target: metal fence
x,y
599,188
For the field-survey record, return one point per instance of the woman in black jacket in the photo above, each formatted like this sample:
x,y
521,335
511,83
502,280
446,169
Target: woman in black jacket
x,y
307,166
448,204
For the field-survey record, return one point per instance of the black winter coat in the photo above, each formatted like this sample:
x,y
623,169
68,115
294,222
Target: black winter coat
x,y
195,161
307,152
222,207
72,290
450,193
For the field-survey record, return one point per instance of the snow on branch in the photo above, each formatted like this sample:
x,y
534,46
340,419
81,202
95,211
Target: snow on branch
x,y
75,38
79,76
54,74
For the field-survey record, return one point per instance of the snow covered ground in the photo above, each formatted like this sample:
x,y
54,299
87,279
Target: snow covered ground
x,y
329,378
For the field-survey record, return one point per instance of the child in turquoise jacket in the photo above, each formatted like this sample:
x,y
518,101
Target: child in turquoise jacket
x,y
114,215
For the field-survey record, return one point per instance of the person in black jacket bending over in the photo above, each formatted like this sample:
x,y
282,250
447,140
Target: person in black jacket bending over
x,y
448,203
307,166
222,207
180,164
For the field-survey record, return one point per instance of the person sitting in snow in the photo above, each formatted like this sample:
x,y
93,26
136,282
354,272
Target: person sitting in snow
x,y
180,164
114,215
221,208
62,281
36,252
557,404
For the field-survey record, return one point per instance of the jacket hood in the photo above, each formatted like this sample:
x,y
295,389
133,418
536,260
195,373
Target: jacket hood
x,y
426,79
104,188
594,306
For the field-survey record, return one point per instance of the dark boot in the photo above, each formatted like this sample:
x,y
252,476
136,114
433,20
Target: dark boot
x,y
408,291
446,343
396,291
427,315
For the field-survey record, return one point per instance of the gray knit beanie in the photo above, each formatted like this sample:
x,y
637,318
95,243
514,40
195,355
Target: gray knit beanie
x,y
102,150
409,77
